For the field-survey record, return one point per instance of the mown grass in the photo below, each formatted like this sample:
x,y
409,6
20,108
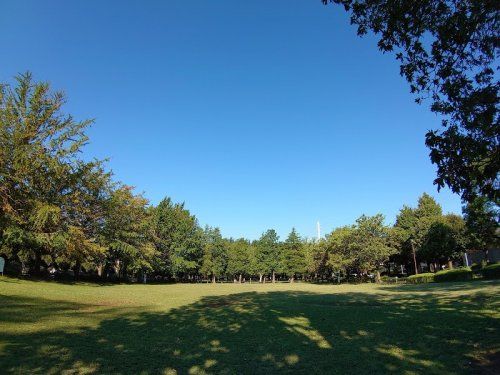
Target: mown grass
x,y
51,328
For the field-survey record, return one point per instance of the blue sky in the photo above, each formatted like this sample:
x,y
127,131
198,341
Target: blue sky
x,y
258,114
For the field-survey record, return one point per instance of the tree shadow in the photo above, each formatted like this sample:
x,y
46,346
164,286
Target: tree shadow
x,y
277,332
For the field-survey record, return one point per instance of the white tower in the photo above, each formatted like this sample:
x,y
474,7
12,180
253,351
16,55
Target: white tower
x,y
318,228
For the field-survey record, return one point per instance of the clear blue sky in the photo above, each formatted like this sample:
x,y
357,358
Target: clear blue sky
x,y
258,114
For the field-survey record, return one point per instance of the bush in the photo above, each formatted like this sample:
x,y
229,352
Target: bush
x,y
476,267
421,278
492,271
457,274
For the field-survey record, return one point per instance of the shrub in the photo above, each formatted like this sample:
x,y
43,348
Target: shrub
x,y
457,274
492,271
421,278
476,267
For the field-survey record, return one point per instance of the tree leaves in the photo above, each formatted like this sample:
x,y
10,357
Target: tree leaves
x,y
448,52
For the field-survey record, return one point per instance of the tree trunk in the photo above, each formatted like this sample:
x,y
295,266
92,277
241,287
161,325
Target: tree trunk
x,y
99,270
274,277
124,271
450,264
76,270
241,277
38,263
213,279
414,258
292,279
377,277
260,278
116,267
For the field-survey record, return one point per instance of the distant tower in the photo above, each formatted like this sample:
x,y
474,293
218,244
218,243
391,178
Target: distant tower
x,y
318,228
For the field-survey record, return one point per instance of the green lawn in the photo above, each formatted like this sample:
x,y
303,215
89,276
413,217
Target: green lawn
x,y
49,328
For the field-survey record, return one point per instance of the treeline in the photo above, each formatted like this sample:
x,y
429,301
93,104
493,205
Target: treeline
x,y
61,214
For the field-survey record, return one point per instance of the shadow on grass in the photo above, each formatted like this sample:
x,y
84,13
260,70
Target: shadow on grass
x,y
287,332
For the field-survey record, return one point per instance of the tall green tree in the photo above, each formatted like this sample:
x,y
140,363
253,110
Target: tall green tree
x,y
448,52
238,258
294,261
178,238
412,226
369,242
43,184
337,245
215,255
482,218
253,266
445,240
316,257
85,216
129,234
269,256
38,146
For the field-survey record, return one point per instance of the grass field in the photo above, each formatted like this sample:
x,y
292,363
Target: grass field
x,y
49,328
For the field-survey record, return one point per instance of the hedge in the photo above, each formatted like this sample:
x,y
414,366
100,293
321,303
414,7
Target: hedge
x,y
457,274
421,278
492,271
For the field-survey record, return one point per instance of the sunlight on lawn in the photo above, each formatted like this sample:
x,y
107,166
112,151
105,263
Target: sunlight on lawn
x,y
302,325
302,328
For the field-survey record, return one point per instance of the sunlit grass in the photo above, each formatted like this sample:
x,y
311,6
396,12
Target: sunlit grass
x,y
48,327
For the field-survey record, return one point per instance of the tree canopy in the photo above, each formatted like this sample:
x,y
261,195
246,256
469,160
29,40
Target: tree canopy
x,y
448,51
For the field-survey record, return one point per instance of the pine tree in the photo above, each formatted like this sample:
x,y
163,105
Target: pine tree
x,y
269,260
293,254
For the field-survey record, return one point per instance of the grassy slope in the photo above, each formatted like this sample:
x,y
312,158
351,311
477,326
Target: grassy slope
x,y
299,328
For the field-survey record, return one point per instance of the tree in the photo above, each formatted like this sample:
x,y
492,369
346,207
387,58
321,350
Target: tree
x,y
44,187
412,226
253,266
45,226
444,240
238,258
214,261
128,233
447,50
178,238
269,259
369,242
85,216
293,256
316,257
340,256
427,207
78,249
38,146
482,217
